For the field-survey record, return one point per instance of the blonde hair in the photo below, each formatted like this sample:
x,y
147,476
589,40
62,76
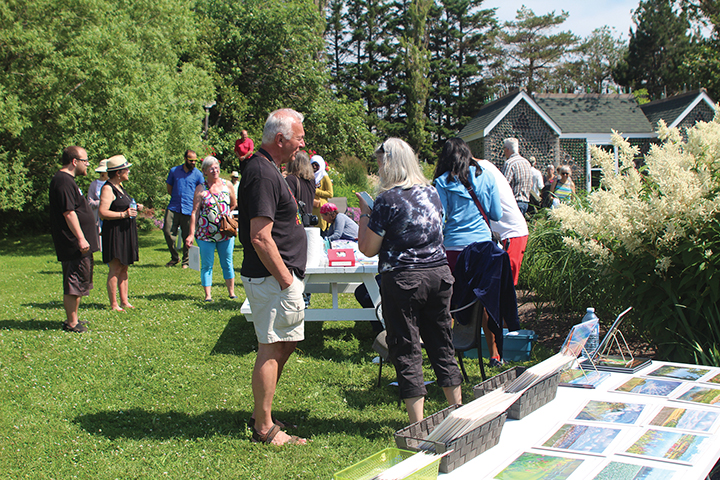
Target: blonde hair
x,y
400,167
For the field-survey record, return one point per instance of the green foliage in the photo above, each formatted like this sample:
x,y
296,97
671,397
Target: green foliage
x,y
114,77
336,129
559,274
656,50
655,237
354,172
529,49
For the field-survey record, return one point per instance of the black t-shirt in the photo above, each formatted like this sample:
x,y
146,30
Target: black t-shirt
x,y
263,192
65,196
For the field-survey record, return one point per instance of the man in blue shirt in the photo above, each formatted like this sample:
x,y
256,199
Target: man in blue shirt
x,y
181,183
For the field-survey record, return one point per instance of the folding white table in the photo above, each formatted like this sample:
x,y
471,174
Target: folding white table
x,y
526,434
335,280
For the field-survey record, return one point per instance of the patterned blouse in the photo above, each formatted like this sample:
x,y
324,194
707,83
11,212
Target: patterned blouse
x,y
212,208
410,222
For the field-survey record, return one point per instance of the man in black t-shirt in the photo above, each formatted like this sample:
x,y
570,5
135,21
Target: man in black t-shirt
x,y
275,253
74,233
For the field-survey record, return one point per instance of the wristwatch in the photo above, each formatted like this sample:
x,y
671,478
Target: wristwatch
x,y
365,215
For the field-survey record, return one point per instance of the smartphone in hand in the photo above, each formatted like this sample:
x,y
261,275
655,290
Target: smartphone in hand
x,y
368,199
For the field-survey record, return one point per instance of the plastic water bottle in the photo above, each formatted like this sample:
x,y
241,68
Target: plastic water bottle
x,y
593,340
133,205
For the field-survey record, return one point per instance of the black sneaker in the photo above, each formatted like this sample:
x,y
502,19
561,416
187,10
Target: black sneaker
x,y
79,328
494,363
172,263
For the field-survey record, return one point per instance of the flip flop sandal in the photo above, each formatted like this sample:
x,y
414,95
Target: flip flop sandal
x,y
279,423
268,437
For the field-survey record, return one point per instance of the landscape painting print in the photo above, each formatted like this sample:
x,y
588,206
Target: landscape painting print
x,y
582,438
715,379
532,466
613,412
676,371
685,419
649,386
629,471
700,394
671,446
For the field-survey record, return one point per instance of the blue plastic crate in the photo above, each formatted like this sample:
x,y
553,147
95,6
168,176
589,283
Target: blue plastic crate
x,y
516,346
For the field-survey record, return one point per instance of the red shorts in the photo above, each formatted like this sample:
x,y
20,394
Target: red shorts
x,y
515,247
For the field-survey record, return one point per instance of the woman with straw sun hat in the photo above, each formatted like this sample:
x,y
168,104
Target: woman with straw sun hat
x,y
120,240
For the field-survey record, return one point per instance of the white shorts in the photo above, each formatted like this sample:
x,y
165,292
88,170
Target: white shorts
x,y
278,315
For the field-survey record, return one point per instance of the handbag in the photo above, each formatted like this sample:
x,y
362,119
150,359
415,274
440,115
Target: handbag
x,y
228,225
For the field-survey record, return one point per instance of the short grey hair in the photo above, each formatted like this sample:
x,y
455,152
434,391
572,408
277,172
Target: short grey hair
x,y
208,162
511,144
280,121
400,167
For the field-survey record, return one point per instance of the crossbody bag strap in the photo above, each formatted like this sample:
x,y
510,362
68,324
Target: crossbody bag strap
x,y
477,203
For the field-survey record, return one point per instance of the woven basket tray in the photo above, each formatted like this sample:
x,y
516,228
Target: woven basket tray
x,y
534,398
464,448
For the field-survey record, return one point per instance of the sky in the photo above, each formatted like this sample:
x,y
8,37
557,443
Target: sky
x,y
585,15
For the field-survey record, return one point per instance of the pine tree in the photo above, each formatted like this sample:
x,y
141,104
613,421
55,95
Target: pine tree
x,y
656,50
529,50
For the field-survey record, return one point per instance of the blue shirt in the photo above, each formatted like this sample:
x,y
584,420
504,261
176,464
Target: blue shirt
x,y
463,222
183,188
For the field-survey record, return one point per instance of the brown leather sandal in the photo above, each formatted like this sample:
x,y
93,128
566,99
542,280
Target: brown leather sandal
x,y
268,437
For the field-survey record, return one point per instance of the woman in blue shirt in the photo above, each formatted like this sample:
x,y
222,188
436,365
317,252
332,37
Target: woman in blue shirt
x,y
456,175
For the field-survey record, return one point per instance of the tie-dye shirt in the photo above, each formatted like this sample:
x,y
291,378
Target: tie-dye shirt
x,y
410,222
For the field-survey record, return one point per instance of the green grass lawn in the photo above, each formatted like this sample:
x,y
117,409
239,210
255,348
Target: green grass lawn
x,y
164,391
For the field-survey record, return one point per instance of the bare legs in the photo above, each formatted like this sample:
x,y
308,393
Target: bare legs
x,y
118,280
71,304
415,406
489,336
269,364
230,284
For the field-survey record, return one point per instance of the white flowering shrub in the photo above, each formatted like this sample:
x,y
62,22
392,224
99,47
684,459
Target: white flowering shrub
x,y
654,236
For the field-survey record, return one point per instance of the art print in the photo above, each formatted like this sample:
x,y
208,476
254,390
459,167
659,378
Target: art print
x,y
685,419
679,372
649,386
715,379
669,446
630,471
582,438
580,378
701,394
613,412
533,466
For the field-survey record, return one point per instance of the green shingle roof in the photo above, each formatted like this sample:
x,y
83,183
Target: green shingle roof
x,y
486,115
594,113
669,109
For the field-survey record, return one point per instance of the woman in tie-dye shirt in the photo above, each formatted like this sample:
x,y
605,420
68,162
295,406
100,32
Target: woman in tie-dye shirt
x,y
404,228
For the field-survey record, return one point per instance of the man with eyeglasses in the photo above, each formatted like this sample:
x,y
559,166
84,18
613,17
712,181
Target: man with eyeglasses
x,y
181,183
74,233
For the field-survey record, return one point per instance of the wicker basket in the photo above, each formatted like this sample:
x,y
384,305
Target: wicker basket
x,y
533,398
464,448
376,464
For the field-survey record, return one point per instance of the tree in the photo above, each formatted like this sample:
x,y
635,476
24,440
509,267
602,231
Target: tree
x,y
114,77
656,50
594,61
528,49
264,62
459,40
